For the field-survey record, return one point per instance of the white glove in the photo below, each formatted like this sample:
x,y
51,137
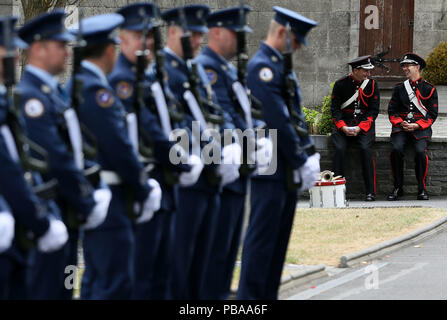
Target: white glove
x,y
309,172
189,178
99,211
7,223
231,161
152,203
263,154
55,237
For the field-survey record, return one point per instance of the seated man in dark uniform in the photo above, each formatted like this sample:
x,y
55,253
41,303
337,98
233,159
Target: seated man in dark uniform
x,y
355,106
412,110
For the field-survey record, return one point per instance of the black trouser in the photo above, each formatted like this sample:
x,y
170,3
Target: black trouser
x,y
398,141
364,142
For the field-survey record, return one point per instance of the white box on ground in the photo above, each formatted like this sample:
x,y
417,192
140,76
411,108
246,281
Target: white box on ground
x,y
328,194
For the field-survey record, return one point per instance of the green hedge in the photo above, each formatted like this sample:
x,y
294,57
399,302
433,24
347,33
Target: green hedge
x,y
436,70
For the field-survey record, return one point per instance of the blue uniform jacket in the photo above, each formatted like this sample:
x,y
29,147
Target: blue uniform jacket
x,y
266,81
42,121
16,191
104,115
177,71
222,75
122,79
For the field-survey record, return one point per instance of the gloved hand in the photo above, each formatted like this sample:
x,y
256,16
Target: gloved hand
x,y
263,154
189,178
99,211
231,161
309,172
7,223
152,203
55,237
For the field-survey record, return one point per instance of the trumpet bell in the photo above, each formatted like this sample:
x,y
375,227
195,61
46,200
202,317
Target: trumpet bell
x,y
326,176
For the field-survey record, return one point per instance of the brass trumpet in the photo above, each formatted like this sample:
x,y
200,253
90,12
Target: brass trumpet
x,y
326,176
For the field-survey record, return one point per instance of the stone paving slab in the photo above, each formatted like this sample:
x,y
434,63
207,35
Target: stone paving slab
x,y
383,127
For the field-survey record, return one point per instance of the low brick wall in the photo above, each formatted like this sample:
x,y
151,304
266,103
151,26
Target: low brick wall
x,y
437,171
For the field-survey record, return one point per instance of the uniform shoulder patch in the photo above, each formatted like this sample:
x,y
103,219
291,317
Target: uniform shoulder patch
x,y
211,75
104,98
34,108
266,74
124,89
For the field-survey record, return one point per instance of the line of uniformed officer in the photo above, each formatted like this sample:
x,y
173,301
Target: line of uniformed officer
x,y
151,227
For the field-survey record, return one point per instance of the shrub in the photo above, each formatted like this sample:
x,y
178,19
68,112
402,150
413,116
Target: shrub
x,y
311,116
319,118
436,69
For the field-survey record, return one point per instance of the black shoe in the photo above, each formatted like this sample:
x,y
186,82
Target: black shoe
x,y
423,195
397,192
370,197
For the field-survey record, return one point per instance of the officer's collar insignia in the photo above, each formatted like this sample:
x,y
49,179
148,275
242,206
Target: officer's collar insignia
x,y
274,58
104,98
174,63
266,74
224,67
124,89
34,108
212,76
45,89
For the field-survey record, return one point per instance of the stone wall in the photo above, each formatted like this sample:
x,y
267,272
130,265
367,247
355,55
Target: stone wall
x,y
5,7
330,45
430,25
436,178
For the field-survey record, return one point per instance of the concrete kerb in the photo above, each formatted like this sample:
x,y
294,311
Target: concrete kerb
x,y
290,282
385,247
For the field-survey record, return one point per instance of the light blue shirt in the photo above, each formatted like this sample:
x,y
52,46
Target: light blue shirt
x,y
96,70
43,75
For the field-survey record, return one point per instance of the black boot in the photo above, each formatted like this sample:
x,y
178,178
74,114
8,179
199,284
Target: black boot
x,y
422,195
397,192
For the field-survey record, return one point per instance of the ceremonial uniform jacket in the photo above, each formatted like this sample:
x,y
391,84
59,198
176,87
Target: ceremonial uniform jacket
x,y
222,75
104,115
42,105
15,190
266,80
29,211
177,73
362,111
122,79
400,107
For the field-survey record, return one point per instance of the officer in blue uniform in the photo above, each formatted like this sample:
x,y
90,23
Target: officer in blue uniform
x,y
44,105
222,46
152,238
109,249
272,203
198,205
32,218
